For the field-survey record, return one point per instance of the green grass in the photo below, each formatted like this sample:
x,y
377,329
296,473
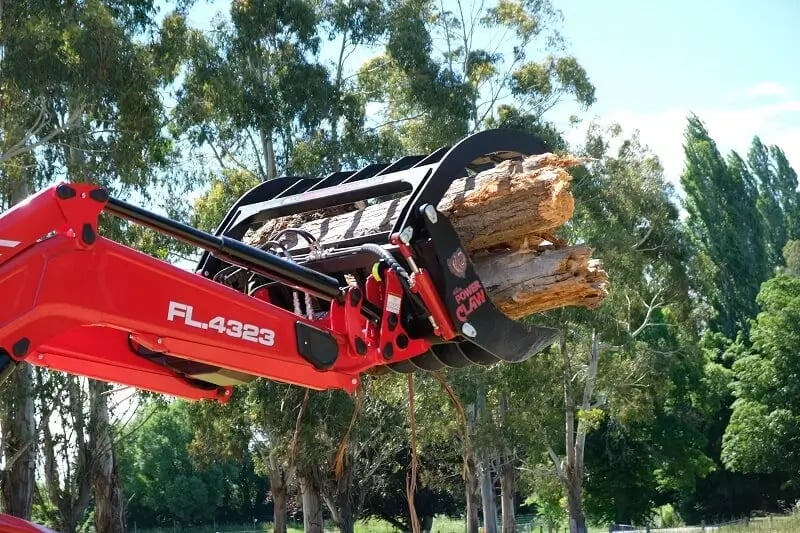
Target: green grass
x,y
440,525
778,524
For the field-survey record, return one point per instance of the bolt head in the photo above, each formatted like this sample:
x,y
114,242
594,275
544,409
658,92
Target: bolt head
x,y
354,381
406,235
431,214
469,330
160,340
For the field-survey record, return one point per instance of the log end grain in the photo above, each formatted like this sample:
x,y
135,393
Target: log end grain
x,y
527,282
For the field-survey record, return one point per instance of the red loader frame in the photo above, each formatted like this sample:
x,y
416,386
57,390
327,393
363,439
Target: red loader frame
x,y
77,302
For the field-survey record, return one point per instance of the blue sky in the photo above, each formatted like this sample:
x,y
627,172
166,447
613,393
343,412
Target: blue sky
x,y
654,62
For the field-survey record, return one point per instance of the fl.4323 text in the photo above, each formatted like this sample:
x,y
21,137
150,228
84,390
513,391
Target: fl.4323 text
x,y
224,325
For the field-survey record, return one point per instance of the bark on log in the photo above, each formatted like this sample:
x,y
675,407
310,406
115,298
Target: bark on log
x,y
506,217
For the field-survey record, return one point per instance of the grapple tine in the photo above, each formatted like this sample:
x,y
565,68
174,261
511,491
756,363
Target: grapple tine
x,y
428,361
451,354
300,186
404,367
334,178
367,172
477,355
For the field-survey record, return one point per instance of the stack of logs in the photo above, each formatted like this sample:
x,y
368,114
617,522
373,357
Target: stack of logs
x,y
507,218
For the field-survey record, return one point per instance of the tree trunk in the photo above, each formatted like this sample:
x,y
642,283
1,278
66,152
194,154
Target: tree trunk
x,y
72,495
18,443
346,522
505,217
277,485
508,485
106,482
488,501
312,505
488,497
577,520
18,424
508,474
471,489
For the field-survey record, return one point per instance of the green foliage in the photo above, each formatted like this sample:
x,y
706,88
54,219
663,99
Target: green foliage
x,y
434,85
547,494
763,426
84,89
791,256
726,228
165,481
650,386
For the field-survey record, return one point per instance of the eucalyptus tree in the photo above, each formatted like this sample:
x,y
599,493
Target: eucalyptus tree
x,y
80,90
614,366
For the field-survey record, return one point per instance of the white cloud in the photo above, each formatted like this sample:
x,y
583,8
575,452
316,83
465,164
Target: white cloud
x,y
731,126
769,88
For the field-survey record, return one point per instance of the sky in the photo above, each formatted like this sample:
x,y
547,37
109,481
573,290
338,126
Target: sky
x,y
653,63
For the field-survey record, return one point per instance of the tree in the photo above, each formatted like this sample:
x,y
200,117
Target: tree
x,y
725,214
253,83
169,483
791,255
726,228
786,185
769,200
435,82
80,89
612,369
762,430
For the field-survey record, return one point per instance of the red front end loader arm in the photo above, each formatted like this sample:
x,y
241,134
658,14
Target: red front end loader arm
x,y
76,302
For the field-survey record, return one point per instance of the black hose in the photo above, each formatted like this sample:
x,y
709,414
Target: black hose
x,y
402,273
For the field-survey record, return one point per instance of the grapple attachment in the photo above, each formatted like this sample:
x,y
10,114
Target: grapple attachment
x,y
413,237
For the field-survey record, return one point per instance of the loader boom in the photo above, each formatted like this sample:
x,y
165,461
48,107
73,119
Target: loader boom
x,y
77,302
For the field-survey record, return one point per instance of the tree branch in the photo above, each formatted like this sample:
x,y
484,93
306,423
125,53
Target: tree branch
x,y
655,303
556,462
21,147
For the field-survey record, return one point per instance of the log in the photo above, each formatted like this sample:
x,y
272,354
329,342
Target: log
x,y
496,207
507,218
525,282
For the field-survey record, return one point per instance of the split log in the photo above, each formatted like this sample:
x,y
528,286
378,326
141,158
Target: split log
x,y
525,282
507,218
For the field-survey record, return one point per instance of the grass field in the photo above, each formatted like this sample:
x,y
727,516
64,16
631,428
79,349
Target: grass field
x,y
440,525
778,524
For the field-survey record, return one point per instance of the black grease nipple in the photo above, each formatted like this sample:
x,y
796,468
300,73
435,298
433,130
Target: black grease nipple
x,y
388,351
402,341
355,296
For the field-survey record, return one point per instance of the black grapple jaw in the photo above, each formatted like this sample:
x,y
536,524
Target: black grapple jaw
x,y
487,335
417,184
